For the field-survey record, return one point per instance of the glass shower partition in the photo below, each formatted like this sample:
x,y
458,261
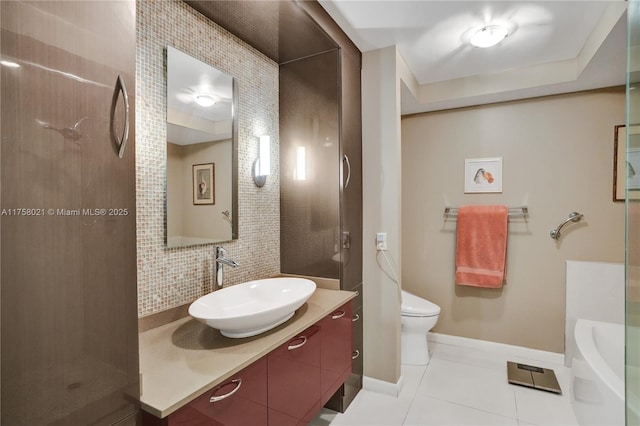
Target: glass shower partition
x,y
632,261
69,332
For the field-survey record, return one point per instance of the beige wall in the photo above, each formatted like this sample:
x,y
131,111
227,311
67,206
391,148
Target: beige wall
x,y
204,221
172,277
557,158
208,220
381,211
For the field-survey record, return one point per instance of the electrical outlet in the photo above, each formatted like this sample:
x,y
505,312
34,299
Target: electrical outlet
x,y
381,241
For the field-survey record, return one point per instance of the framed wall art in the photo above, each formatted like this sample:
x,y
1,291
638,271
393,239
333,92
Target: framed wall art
x,y
483,175
203,184
626,163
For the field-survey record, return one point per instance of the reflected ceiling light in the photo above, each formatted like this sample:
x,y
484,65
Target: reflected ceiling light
x,y
10,64
489,36
205,100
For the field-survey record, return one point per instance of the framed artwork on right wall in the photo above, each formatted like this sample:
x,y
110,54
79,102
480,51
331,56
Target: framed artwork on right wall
x,y
483,175
626,163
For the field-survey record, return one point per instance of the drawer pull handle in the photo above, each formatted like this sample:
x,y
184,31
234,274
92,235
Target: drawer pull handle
x,y
238,383
355,354
338,315
299,345
355,318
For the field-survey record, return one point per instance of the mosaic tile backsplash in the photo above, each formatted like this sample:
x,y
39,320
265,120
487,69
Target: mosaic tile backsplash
x,y
172,277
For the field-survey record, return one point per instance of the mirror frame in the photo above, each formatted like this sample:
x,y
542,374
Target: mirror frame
x,y
234,159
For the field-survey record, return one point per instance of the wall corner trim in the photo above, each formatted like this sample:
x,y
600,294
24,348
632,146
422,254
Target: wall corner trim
x,y
381,386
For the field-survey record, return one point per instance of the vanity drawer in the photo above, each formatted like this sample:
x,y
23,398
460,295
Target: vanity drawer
x,y
336,350
294,379
239,401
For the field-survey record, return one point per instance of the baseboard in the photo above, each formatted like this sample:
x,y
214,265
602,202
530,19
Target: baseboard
x,y
520,351
381,386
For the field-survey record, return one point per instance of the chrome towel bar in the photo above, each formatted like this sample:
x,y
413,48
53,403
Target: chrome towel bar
x,y
573,217
452,212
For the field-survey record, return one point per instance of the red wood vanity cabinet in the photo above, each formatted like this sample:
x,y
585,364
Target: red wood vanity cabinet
x,y
241,401
305,372
288,386
294,379
335,350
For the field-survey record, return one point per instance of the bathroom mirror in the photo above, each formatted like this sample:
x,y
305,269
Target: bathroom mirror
x,y
202,201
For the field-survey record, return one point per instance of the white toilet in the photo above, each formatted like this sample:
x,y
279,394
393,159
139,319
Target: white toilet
x,y
418,317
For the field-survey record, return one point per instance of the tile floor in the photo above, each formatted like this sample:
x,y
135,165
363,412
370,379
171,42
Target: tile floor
x,y
460,386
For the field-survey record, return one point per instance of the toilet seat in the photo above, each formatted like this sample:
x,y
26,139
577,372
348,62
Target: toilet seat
x,y
414,306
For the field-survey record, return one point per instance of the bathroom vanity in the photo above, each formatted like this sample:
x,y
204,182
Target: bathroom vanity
x,y
281,377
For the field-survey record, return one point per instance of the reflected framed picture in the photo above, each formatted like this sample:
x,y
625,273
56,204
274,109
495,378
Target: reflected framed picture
x,y
483,175
626,163
204,184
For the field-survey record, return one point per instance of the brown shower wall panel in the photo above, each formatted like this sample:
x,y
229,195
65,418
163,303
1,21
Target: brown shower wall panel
x,y
350,128
310,234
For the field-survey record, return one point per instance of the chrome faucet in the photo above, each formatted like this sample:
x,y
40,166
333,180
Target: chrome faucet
x,y
220,260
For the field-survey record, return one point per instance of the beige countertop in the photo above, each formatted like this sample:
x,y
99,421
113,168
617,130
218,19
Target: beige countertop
x,y
185,358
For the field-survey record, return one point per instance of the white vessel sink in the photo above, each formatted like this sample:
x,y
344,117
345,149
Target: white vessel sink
x,y
253,307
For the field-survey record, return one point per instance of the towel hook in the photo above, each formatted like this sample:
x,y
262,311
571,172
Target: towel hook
x,y
573,217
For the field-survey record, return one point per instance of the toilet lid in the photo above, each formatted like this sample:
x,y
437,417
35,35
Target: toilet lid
x,y
415,306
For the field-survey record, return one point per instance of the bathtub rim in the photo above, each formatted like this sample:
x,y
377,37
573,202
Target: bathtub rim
x,y
588,350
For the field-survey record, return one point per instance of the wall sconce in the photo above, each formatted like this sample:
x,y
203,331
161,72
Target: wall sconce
x,y
262,165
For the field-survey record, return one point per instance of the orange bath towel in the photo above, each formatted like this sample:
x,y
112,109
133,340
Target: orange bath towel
x,y
481,248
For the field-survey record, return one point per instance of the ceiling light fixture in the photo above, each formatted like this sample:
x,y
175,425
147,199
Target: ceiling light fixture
x,y
489,36
205,100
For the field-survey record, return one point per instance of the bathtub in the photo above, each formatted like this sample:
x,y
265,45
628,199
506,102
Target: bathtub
x,y
597,373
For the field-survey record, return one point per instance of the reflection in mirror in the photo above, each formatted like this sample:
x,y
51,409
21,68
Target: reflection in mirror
x,y
201,153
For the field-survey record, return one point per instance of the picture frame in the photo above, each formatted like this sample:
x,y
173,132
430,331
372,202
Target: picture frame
x,y
626,163
483,175
204,184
